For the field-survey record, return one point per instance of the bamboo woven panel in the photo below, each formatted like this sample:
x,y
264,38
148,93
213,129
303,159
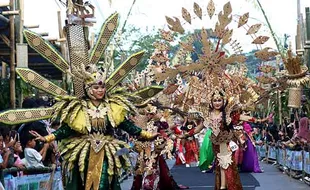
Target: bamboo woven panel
x,y
294,97
47,50
13,117
78,52
36,80
121,72
106,33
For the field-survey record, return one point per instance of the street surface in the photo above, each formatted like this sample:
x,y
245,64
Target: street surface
x,y
271,179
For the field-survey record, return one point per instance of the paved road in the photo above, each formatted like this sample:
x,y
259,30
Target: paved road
x,y
271,179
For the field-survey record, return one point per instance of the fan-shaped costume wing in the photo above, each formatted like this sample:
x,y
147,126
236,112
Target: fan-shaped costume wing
x,y
36,80
148,92
106,33
46,49
122,71
19,116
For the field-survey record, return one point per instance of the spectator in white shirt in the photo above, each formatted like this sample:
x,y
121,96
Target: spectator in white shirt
x,y
33,158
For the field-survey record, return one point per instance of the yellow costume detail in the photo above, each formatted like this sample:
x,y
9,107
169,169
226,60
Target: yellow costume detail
x,y
50,138
79,123
146,135
118,113
94,169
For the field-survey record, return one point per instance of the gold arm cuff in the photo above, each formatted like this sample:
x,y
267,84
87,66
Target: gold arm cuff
x,y
50,138
146,135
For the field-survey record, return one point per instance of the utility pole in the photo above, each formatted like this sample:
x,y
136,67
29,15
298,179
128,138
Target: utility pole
x,y
12,57
307,43
300,35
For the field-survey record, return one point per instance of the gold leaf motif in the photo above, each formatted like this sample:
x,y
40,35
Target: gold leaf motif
x,y
243,19
74,113
187,46
186,15
260,40
179,99
171,88
77,151
166,35
267,68
227,37
159,58
234,59
83,157
253,29
161,46
227,8
205,42
211,8
265,79
265,54
198,10
175,25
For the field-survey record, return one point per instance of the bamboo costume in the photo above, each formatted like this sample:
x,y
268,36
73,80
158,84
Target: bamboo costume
x,y
152,172
210,75
92,157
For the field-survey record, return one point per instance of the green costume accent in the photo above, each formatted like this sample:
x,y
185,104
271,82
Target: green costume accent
x,y
130,128
74,182
206,155
64,132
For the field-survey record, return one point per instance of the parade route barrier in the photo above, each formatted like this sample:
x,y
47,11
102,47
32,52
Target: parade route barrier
x,y
295,163
36,179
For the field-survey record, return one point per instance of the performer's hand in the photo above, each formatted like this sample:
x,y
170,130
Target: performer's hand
x,y
184,136
38,136
154,136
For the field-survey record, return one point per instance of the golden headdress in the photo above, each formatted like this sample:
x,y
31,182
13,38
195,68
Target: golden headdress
x,y
214,72
84,69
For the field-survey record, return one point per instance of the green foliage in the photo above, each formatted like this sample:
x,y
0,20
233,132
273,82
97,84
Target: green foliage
x,y
133,41
252,63
21,86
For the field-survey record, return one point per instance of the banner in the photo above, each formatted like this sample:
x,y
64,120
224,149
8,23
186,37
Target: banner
x,y
281,157
289,155
272,153
262,151
307,162
296,160
33,182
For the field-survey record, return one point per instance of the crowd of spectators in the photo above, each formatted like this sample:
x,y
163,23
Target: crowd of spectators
x,y
293,135
18,148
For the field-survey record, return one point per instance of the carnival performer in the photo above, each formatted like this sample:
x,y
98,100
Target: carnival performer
x,y
190,144
223,143
250,161
92,158
240,134
152,171
178,143
224,140
96,144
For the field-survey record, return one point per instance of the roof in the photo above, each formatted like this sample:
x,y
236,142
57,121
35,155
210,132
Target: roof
x,y
35,61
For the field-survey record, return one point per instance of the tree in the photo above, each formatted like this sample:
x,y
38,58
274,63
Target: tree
x,y
132,41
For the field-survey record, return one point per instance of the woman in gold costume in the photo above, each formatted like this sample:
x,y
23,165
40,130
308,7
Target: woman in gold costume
x,y
91,157
88,148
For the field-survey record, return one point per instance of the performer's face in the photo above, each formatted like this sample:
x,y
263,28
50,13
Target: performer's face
x,y
217,103
98,91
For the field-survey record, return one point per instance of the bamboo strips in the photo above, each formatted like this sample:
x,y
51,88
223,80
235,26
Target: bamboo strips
x,y
293,64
